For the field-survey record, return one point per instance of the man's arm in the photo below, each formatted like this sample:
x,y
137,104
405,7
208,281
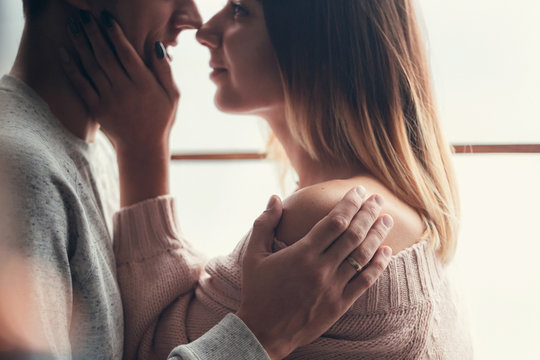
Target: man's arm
x,y
35,280
230,339
291,297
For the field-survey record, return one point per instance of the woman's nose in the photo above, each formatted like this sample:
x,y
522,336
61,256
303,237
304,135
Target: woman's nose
x,y
208,35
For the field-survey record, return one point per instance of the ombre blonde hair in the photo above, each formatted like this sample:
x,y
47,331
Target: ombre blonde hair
x,y
358,91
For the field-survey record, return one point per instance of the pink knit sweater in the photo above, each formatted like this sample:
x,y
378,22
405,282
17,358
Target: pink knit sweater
x,y
170,298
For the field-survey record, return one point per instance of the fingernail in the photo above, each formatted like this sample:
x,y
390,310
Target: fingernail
x,y
361,191
160,50
64,56
107,19
74,26
387,251
379,200
388,221
271,203
85,16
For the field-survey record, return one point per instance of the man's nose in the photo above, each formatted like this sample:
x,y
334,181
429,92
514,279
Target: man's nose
x,y
187,15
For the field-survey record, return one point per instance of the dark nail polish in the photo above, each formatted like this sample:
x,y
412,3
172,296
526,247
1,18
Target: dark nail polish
x,y
160,50
74,26
85,16
107,19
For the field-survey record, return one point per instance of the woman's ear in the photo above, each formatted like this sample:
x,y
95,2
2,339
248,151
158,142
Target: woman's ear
x,y
79,4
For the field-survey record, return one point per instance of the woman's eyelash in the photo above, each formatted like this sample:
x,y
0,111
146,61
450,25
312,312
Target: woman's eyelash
x,y
238,10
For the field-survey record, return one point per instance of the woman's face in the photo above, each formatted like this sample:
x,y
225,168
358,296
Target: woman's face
x,y
245,68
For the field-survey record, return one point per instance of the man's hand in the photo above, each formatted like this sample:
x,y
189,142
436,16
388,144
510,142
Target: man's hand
x,y
291,297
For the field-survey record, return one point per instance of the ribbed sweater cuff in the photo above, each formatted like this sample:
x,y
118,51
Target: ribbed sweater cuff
x,y
146,229
229,339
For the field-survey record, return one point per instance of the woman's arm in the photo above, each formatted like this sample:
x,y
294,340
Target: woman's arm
x,y
158,271
134,105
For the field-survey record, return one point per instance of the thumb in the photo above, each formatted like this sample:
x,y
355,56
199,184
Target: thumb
x,y
264,228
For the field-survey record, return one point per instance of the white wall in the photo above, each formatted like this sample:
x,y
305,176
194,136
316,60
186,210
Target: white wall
x,y
485,57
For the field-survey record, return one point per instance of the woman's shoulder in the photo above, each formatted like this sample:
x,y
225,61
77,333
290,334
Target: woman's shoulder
x,y
304,208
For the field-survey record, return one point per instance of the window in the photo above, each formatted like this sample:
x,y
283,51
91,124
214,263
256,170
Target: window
x,y
486,66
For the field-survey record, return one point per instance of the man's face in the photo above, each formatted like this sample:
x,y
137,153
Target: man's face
x,y
147,21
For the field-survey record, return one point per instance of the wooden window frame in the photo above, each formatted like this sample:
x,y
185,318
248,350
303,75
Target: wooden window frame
x,y
463,149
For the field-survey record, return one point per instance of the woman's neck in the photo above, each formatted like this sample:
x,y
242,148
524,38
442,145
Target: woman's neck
x,y
309,170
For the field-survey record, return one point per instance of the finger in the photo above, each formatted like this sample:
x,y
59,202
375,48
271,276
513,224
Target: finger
x,y
329,228
91,67
103,52
356,232
368,276
82,86
263,233
129,58
376,235
362,255
162,70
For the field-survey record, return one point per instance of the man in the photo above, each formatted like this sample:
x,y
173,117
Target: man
x,y
62,180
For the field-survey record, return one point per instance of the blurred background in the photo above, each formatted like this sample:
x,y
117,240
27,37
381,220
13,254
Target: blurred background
x,y
485,58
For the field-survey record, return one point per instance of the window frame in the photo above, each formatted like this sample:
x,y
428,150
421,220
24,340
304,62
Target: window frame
x,y
462,149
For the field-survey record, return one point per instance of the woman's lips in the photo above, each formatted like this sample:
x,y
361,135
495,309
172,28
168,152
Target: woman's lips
x,y
217,72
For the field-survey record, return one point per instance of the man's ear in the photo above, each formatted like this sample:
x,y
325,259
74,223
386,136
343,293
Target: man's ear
x,y
79,4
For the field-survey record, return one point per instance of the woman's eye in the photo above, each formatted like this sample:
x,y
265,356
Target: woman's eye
x,y
238,10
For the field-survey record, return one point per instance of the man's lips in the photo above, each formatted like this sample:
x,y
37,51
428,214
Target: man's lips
x,y
170,43
172,39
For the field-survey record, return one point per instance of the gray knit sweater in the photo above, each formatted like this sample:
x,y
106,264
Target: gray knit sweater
x,y
63,192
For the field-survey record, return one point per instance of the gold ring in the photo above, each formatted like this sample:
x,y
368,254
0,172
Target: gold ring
x,y
355,264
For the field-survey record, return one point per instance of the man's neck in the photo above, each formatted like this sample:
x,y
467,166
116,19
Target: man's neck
x,y
38,64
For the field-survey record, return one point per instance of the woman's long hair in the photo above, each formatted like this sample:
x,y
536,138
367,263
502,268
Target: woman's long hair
x,y
358,92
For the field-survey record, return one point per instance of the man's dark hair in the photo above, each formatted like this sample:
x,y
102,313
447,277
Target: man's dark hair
x,y
34,7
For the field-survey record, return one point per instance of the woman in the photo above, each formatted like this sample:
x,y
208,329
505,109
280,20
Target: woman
x,y
345,87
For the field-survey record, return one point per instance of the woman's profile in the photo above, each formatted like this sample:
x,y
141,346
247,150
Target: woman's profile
x,y
345,87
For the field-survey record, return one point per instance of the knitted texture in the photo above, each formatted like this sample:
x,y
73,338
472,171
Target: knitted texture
x,y
63,193
410,312
229,339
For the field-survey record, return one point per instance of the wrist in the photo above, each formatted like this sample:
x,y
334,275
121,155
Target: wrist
x,y
144,152
273,345
144,172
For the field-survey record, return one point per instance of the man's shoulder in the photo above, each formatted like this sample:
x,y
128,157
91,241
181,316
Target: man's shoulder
x,y
33,173
26,152
24,116
27,143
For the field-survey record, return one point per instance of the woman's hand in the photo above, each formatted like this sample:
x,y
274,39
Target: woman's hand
x,y
134,104
293,296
